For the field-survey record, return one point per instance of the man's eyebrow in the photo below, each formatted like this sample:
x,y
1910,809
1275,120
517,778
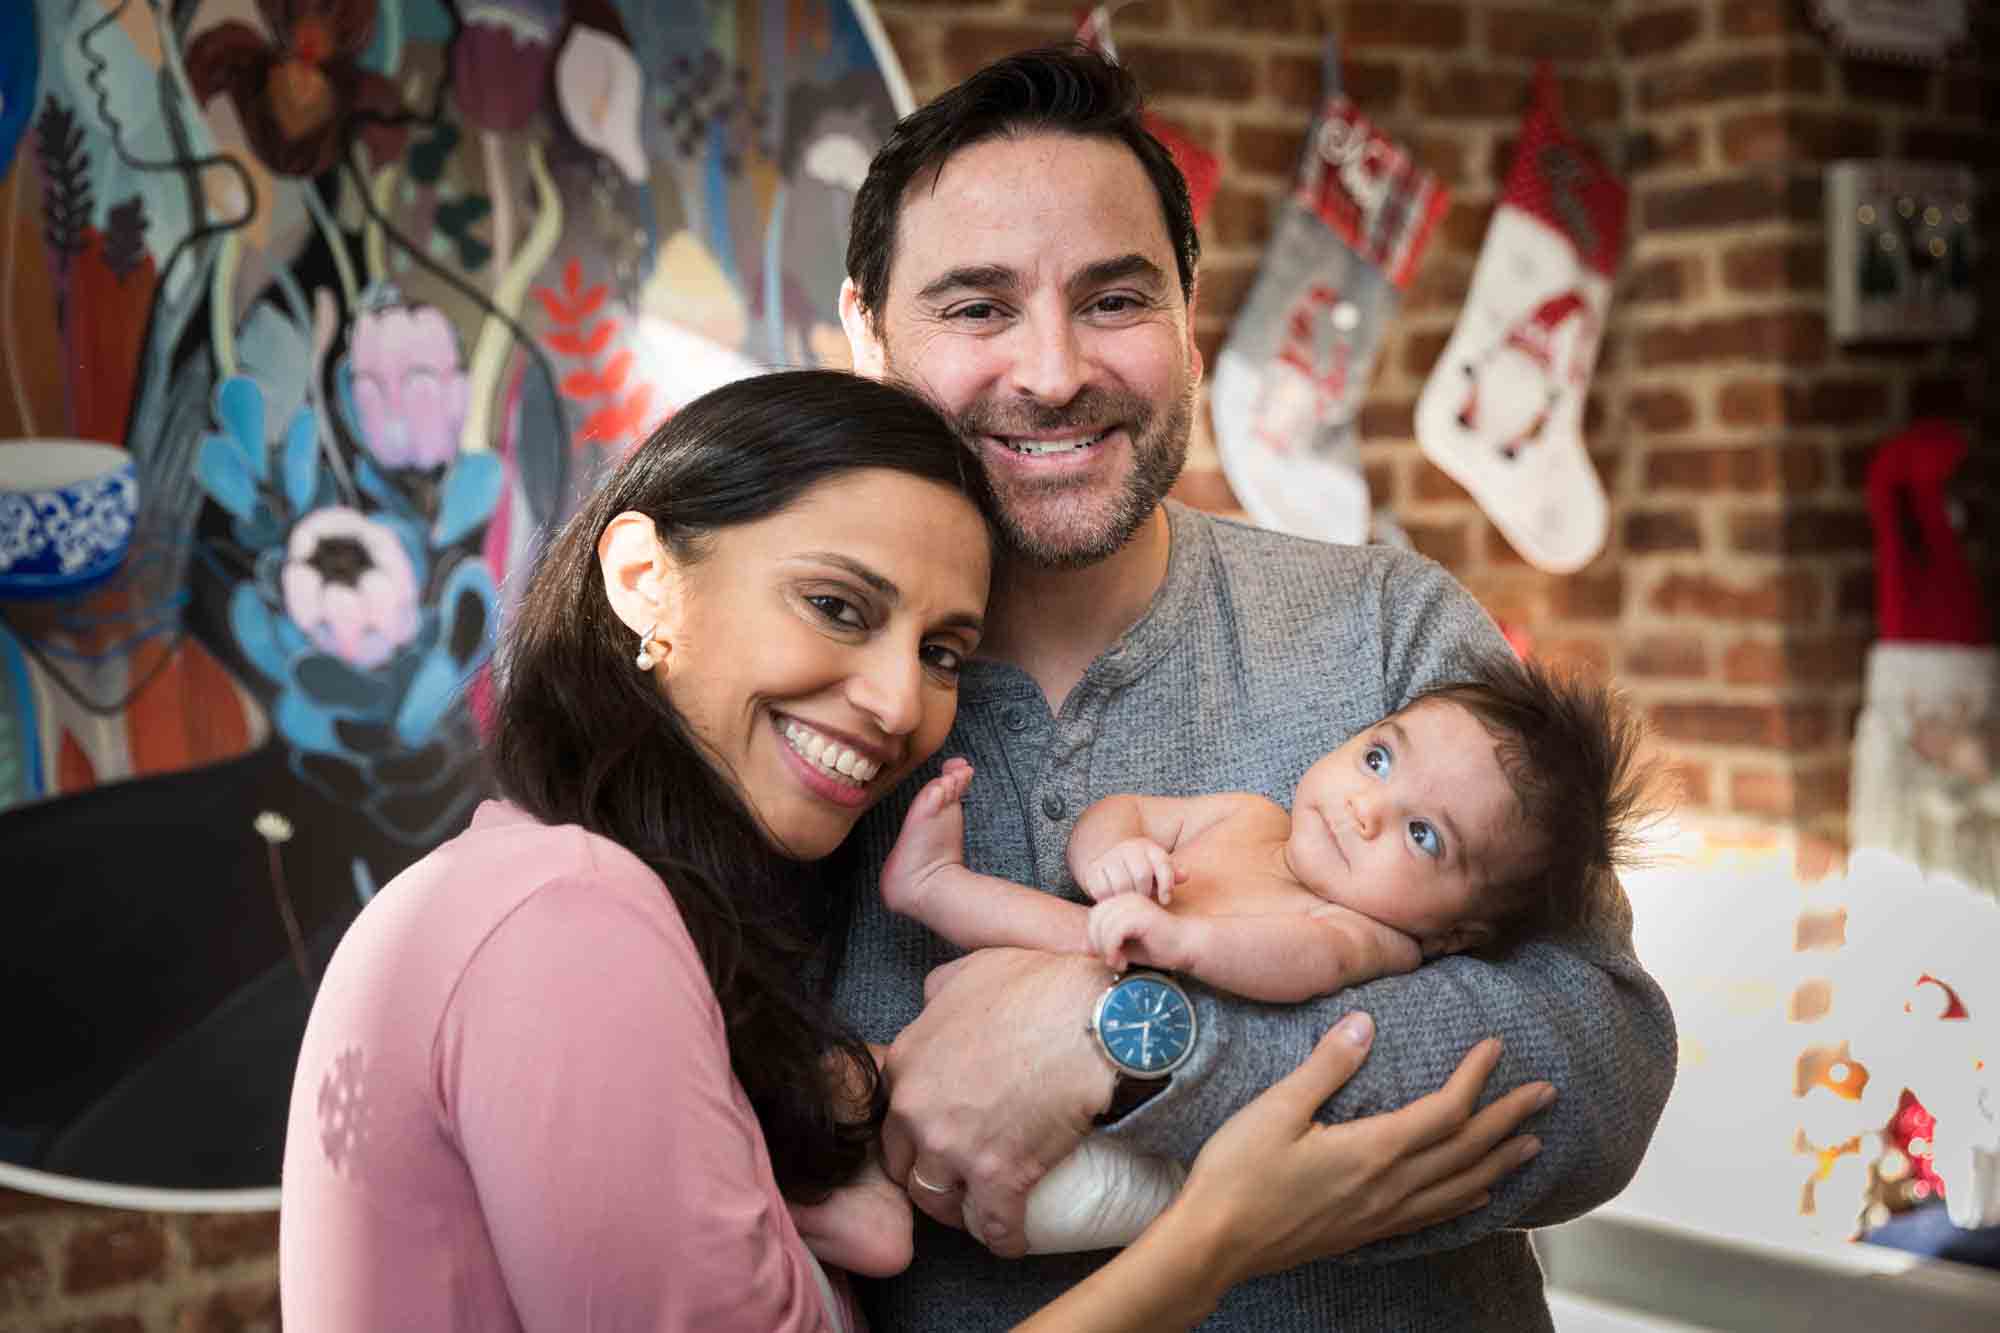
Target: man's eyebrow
x,y
978,277
1122,269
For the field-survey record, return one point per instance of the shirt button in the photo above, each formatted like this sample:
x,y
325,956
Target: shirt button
x,y
1014,718
1052,806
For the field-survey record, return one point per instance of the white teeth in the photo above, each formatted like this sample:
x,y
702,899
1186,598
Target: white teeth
x,y
830,756
1040,448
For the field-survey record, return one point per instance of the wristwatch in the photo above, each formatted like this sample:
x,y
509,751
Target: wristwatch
x,y
1144,1024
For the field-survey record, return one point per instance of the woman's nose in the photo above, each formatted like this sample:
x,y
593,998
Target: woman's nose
x,y
890,690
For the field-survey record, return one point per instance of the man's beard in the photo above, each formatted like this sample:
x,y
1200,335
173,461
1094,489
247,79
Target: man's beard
x,y
1061,523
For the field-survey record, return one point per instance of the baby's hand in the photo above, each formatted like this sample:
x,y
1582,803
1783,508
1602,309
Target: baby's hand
x,y
1136,865
1134,929
933,835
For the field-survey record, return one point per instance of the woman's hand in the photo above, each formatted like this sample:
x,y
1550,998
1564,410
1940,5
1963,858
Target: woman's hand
x,y
1279,1189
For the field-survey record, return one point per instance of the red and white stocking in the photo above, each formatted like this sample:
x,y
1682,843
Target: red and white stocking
x,y
1502,413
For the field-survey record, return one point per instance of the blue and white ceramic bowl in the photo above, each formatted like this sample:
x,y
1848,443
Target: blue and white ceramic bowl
x,y
66,513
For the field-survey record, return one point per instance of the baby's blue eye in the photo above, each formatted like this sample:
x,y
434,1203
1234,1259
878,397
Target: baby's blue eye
x,y
1427,839
1378,760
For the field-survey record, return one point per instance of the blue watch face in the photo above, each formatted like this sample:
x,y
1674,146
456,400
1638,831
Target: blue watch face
x,y
1146,1024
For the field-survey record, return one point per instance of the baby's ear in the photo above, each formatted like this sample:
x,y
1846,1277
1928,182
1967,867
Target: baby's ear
x,y
1461,938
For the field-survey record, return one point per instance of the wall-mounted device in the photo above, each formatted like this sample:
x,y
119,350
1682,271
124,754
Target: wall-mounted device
x,y
1902,250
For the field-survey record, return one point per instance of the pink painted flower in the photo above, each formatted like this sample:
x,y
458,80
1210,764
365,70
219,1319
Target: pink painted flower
x,y
350,586
409,385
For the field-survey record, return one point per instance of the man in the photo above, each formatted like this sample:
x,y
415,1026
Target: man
x,y
1023,252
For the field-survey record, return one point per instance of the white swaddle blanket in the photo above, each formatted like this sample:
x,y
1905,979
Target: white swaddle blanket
x,y
1099,1197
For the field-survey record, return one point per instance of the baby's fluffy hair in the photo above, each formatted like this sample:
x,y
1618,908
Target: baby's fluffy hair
x,y
1570,747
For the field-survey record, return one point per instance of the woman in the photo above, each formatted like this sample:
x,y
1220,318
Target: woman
x,y
574,1067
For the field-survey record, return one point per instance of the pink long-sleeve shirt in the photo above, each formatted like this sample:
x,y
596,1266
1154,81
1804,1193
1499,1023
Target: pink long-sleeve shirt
x,y
514,1110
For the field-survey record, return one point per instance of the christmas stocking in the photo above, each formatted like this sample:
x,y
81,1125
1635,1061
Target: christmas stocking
x,y
1502,413
1290,379
1197,164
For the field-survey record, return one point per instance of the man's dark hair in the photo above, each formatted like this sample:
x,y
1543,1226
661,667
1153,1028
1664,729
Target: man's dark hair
x,y
1064,89
581,737
1570,747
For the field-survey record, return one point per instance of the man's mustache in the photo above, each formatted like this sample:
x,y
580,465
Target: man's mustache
x,y
1091,410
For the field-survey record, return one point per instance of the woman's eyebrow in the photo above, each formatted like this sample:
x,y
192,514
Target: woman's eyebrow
x,y
883,586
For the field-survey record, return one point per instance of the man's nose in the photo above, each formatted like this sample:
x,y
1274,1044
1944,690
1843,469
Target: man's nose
x,y
1050,366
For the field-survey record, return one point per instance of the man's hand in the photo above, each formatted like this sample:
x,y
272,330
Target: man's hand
x,y
995,1082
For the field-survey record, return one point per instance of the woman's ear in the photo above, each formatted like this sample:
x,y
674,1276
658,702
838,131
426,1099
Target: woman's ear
x,y
636,572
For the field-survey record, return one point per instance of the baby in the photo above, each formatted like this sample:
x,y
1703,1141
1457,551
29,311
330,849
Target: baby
x,y
1488,809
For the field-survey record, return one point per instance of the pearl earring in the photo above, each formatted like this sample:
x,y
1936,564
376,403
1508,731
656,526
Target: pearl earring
x,y
650,653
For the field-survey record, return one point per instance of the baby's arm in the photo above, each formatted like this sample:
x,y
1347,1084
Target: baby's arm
x,y
1121,844
926,878
1278,957
864,1225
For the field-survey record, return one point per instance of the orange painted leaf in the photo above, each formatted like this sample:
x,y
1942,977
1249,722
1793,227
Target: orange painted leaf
x,y
582,384
612,377
584,345
561,311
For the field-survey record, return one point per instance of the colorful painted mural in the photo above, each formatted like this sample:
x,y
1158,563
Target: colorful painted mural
x,y
363,296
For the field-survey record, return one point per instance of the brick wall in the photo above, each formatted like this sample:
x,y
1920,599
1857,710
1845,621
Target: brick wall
x,y
1733,599
68,1268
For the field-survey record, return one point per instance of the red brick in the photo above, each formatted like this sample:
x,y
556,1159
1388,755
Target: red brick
x,y
1661,411
1794,135
24,1278
18,1203
1223,287
1591,655
110,1254
1763,18
1649,532
1662,279
1689,780
1657,148
1389,420
1291,18
966,47
1833,402
1238,217
1443,155
1471,92
1397,23
1775,266
1795,795
1658,33
1792,596
1173,71
1446,543
1789,337
1754,662
1588,596
1702,83
1205,488
1430,484
1671,657
1422,350
1759,469
1465,225
1208,340
1442,283
1732,201
251,1308
1815,531
1545,34
1380,478
1881,81
105,1323
1771,726
1265,149
224,1238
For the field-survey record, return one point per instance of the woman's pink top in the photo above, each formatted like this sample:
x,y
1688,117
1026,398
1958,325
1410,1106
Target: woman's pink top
x,y
514,1110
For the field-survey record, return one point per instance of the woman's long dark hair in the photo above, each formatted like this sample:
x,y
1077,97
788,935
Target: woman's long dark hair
x,y
582,737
